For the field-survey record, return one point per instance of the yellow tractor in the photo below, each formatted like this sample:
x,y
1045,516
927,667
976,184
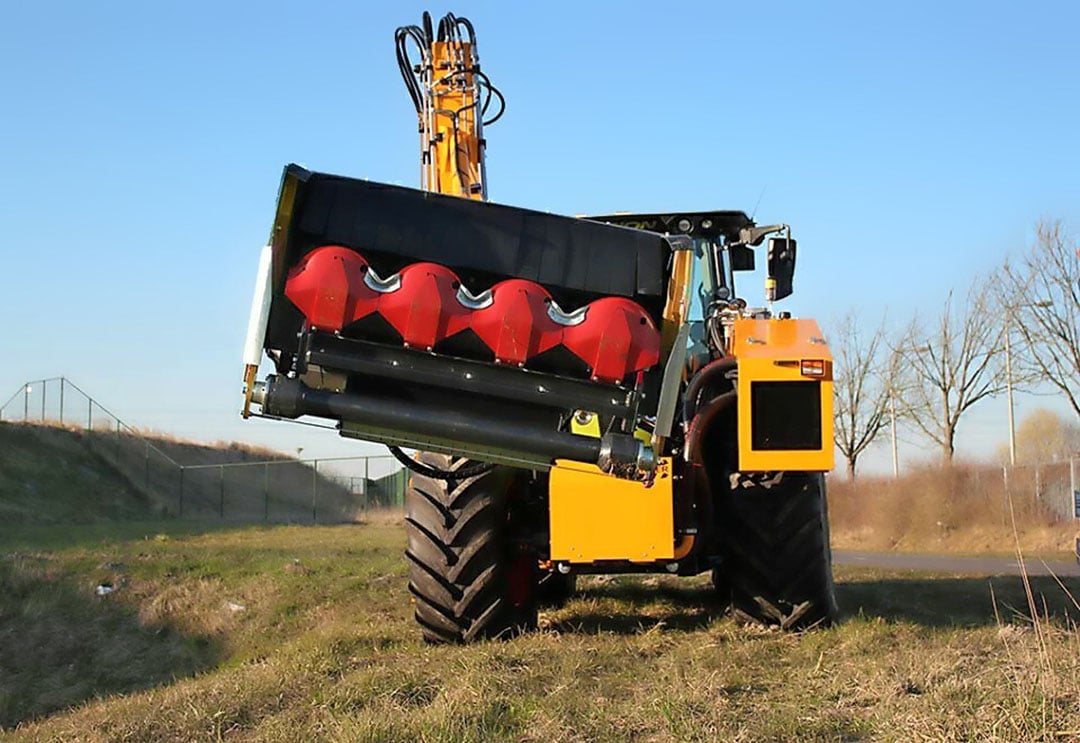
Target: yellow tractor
x,y
585,395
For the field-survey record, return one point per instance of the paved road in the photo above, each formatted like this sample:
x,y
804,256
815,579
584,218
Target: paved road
x,y
947,564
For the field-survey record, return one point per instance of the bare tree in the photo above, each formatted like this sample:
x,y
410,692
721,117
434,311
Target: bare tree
x,y
861,387
952,365
1043,437
1042,295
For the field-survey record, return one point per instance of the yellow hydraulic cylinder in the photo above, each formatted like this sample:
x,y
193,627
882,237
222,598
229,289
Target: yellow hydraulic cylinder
x,y
451,126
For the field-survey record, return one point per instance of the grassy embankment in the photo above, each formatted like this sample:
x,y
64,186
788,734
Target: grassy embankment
x,y
305,633
290,633
62,475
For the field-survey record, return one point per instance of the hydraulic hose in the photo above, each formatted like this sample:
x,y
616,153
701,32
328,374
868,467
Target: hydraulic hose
x,y
463,473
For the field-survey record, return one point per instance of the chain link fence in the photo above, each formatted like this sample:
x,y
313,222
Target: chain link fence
x,y
238,483
224,481
1055,486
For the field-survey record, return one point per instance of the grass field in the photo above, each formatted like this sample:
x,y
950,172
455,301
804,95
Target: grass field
x,y
305,633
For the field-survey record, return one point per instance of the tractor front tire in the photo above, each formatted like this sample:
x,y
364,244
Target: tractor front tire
x,y
465,577
778,563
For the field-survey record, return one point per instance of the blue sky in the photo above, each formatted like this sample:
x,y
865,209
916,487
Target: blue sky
x,y
910,145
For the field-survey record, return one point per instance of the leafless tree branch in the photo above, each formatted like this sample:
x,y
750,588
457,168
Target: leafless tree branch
x,y
1042,295
861,387
953,365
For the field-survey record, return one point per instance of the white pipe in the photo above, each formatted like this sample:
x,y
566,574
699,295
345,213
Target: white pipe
x,y
260,311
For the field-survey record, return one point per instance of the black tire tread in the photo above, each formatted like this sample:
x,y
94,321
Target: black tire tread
x,y
778,562
457,556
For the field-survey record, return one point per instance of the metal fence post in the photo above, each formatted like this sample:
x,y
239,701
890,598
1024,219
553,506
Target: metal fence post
x,y
146,463
1074,497
367,483
221,502
26,404
44,386
89,414
266,491
62,401
314,490
181,508
1038,484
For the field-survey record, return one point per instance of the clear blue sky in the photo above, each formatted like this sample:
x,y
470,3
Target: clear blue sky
x,y
909,144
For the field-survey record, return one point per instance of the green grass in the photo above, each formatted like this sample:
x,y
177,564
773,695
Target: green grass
x,y
325,649
53,537
50,474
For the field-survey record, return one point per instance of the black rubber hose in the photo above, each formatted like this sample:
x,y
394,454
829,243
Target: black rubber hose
x,y
464,473
428,34
691,403
401,39
700,423
491,90
502,105
470,30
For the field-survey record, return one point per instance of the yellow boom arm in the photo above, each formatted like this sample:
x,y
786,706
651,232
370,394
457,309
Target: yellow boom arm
x,y
451,96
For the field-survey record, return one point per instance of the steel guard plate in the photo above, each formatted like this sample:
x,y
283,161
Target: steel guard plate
x,y
595,516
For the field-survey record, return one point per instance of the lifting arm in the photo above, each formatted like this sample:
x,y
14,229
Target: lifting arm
x,y
451,96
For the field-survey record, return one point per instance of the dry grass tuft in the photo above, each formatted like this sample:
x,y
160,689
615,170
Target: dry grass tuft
x,y
960,509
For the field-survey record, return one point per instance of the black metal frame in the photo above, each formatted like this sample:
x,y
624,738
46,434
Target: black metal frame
x,y
291,398
721,224
495,413
412,367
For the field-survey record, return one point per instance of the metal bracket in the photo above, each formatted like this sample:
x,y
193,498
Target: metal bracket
x,y
754,235
669,388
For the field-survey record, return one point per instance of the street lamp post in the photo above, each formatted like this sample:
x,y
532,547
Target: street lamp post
x,y
895,457
1008,373
894,371
894,367
1009,389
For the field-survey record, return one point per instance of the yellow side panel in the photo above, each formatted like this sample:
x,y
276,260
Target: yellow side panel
x,y
595,516
771,351
678,298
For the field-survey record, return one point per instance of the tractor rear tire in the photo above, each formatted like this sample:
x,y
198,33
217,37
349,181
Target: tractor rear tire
x,y
721,587
778,563
465,577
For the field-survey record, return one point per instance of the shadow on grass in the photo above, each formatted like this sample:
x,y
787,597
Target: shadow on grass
x,y
640,608
51,537
633,608
60,644
948,602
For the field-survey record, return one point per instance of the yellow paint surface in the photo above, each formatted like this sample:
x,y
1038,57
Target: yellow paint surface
x,y
595,516
771,351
